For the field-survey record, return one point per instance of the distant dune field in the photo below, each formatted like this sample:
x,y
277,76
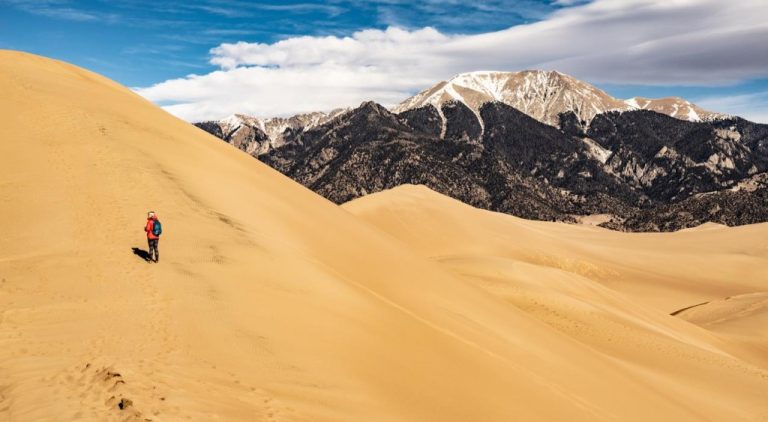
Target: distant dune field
x,y
271,303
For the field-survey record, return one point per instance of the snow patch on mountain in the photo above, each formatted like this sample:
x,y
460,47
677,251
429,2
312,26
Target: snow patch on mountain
x,y
274,127
544,95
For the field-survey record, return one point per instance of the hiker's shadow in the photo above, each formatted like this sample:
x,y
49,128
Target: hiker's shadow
x,y
141,253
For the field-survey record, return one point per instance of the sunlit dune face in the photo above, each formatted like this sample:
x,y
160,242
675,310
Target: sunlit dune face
x,y
272,303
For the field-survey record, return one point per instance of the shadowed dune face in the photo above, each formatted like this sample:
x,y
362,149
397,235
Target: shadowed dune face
x,y
272,303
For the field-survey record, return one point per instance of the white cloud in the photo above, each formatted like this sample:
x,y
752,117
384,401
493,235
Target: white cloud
x,y
682,42
752,107
568,2
58,9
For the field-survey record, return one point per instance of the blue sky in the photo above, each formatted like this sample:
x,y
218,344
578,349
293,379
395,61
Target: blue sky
x,y
280,57
138,42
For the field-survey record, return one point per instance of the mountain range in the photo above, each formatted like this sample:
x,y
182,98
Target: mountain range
x,y
534,144
543,95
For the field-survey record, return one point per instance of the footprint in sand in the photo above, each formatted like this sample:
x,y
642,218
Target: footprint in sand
x,y
103,392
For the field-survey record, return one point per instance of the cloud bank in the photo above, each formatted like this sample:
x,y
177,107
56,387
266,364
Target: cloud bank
x,y
656,42
752,107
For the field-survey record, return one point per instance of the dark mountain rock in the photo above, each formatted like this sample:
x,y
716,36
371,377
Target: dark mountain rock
x,y
212,127
461,123
670,159
729,207
648,170
425,120
570,124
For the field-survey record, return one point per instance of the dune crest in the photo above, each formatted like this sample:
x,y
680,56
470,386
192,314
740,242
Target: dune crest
x,y
271,303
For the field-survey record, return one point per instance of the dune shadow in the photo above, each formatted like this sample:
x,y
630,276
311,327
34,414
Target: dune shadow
x,y
141,253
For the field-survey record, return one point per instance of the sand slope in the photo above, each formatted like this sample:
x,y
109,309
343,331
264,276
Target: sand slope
x,y
666,271
271,303
607,290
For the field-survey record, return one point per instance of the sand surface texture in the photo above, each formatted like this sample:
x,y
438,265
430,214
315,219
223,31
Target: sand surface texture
x,y
273,304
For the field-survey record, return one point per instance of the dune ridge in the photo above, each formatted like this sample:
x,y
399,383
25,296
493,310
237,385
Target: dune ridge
x,y
271,303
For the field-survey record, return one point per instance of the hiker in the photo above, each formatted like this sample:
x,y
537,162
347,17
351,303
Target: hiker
x,y
154,229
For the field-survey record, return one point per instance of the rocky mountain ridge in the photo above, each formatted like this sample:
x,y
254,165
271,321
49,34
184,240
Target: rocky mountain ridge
x,y
626,165
640,170
544,95
257,136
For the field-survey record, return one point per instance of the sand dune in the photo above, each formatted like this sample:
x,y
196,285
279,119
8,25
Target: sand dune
x,y
728,311
271,303
665,271
608,290
741,319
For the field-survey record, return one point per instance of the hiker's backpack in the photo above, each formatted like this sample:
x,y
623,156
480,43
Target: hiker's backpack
x,y
157,228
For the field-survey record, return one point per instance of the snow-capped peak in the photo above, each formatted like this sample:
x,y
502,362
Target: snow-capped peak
x,y
672,106
541,94
232,120
275,127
